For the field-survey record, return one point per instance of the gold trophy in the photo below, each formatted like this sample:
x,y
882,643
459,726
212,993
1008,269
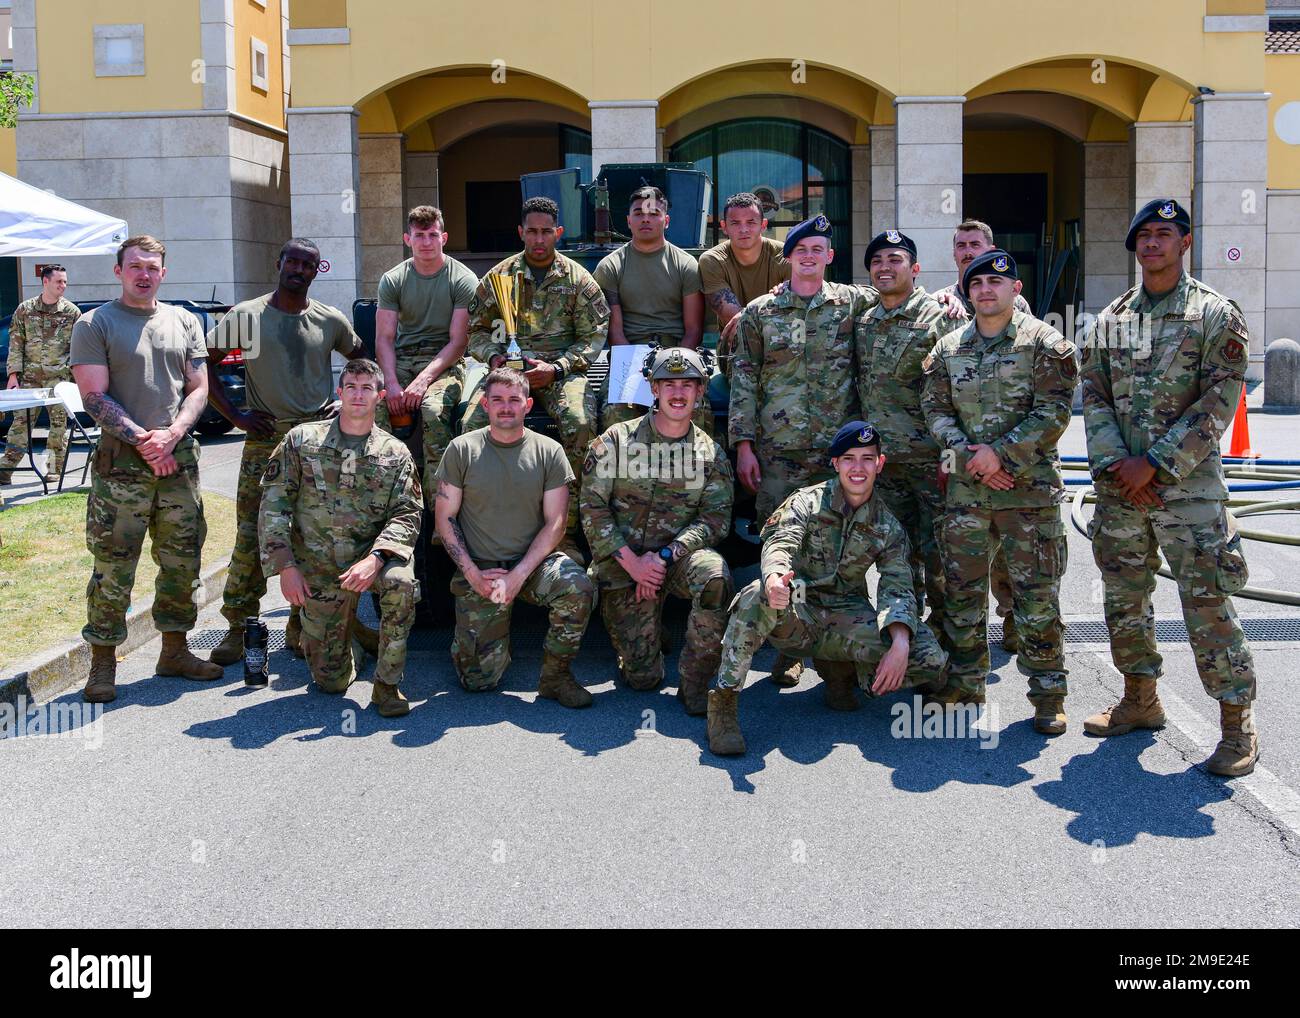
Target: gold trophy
x,y
503,289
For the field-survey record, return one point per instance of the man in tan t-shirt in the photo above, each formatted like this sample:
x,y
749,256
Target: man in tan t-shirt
x,y
288,341
503,496
744,266
140,367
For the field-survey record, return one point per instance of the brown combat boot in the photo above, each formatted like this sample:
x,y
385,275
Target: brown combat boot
x,y
693,692
951,695
1010,639
786,671
101,683
1049,715
839,684
725,738
557,682
230,649
176,659
293,634
1238,750
1140,708
388,700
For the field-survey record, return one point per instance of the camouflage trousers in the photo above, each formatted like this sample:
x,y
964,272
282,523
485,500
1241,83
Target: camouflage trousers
x,y
480,648
126,502
911,492
617,413
1207,563
327,617
702,577
783,473
1034,543
572,405
19,438
838,632
438,413
1000,582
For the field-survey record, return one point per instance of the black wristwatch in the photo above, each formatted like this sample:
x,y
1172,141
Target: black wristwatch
x,y
381,555
559,370
667,554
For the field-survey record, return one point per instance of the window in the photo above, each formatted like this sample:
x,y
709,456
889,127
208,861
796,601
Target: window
x,y
575,150
257,50
797,172
119,50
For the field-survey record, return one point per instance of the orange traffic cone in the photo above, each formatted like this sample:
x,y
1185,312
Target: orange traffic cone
x,y
1240,445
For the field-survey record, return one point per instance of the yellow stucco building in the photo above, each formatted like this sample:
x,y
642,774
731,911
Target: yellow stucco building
x,y
224,125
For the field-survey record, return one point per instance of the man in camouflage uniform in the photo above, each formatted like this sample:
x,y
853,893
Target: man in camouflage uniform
x,y
997,397
340,515
971,239
892,340
561,317
793,381
656,501
40,336
502,501
288,341
1162,378
813,597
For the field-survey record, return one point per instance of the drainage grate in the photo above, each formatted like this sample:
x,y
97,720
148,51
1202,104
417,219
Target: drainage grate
x,y
1258,630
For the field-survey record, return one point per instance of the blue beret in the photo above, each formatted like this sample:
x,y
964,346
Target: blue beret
x,y
991,263
1158,210
817,226
888,239
852,435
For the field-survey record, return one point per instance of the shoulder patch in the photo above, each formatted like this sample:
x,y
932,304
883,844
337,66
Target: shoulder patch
x,y
272,471
474,304
930,362
1062,347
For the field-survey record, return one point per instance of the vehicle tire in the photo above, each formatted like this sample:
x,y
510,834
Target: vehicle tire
x,y
214,429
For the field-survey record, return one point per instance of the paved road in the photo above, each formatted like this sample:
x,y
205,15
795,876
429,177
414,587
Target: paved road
x,y
210,804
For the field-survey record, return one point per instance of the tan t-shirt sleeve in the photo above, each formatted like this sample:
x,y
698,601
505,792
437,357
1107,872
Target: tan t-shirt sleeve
x,y
390,292
345,338
451,468
606,274
87,345
463,287
690,275
196,344
712,278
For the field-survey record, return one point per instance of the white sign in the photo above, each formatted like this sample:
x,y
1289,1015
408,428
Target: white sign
x,y
1233,254
626,383
324,267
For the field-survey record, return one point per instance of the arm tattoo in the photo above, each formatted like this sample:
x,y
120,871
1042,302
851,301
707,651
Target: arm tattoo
x,y
444,491
457,549
611,298
720,298
111,418
192,405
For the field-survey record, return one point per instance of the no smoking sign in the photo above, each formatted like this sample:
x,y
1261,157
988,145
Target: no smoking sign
x,y
324,267
1233,254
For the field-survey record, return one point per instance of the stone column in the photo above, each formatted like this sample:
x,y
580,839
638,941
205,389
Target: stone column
x,y
217,41
325,182
884,179
860,197
383,218
1107,211
1230,205
1160,166
1282,278
623,132
929,184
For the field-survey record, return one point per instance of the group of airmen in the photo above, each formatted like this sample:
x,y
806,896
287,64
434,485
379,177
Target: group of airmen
x,y
876,426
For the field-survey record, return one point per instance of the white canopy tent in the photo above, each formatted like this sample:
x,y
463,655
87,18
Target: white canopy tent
x,y
37,224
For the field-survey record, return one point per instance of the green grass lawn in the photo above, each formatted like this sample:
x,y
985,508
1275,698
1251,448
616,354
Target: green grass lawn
x,y
44,569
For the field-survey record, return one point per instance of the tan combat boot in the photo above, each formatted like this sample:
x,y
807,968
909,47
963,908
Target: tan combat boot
x,y
839,684
176,659
293,634
1140,708
725,738
388,700
1010,640
786,671
1239,748
101,684
951,695
693,692
230,649
557,682
1049,715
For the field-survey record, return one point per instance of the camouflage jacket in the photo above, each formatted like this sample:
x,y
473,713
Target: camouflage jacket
x,y
40,339
1163,379
792,377
562,321
830,546
324,507
1014,393
645,491
891,346
954,290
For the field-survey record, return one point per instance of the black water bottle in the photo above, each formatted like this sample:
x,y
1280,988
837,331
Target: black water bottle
x,y
255,639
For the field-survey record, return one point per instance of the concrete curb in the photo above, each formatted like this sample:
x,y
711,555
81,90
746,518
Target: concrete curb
x,y
57,670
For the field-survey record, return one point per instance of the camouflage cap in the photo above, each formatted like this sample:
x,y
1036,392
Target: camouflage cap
x,y
677,362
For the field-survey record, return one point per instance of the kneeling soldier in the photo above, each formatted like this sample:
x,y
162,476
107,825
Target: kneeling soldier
x,y
656,499
812,598
503,495
340,514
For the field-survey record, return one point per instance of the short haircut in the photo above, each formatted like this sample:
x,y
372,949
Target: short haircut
x,y
299,242
541,205
644,193
424,216
146,243
743,200
363,367
48,270
966,225
508,377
